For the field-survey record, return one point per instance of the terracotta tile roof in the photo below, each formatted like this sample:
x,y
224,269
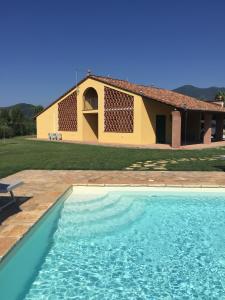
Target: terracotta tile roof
x,y
165,96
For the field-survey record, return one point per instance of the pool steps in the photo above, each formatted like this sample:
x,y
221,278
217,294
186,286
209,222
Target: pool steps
x,y
106,215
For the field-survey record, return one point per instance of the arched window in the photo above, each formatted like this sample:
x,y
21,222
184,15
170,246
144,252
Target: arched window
x,y
90,99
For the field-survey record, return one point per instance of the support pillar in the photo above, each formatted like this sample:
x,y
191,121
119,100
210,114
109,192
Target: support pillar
x,y
219,127
176,129
207,128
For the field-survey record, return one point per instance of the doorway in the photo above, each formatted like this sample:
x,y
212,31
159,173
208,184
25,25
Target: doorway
x,y
160,129
90,127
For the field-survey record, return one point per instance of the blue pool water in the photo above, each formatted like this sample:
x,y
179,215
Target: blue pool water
x,y
150,244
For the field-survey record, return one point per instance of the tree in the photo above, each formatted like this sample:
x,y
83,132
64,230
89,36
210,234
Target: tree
x,y
17,121
220,96
6,132
4,117
13,122
38,109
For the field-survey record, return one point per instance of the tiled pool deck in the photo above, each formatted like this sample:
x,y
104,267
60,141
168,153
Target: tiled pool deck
x,y
46,186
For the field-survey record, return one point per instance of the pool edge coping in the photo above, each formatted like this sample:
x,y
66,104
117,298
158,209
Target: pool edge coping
x,y
29,229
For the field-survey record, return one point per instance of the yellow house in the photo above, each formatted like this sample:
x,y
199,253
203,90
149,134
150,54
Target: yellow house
x,y
105,110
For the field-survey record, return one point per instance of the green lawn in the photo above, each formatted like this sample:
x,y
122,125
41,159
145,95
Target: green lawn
x,y
19,154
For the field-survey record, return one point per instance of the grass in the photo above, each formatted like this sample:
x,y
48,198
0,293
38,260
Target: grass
x,y
20,154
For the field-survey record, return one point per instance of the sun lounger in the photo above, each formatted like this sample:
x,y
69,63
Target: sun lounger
x,y
8,188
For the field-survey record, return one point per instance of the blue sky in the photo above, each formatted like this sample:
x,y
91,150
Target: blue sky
x,y
167,43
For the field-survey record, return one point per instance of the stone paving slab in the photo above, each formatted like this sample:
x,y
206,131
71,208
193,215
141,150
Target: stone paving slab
x,y
47,186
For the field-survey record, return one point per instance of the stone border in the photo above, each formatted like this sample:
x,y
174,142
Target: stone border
x,y
32,225
152,185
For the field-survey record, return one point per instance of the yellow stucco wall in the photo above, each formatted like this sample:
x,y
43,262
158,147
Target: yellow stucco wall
x,y
111,137
150,109
47,122
145,111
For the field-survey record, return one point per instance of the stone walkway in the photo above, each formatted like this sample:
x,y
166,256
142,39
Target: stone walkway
x,y
43,188
162,165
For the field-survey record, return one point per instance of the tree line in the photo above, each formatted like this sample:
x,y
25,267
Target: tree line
x,y
13,122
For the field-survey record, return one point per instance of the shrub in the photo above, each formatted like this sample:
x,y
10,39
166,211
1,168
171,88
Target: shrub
x,y
6,132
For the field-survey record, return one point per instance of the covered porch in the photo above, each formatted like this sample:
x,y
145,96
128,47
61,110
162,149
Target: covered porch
x,y
196,127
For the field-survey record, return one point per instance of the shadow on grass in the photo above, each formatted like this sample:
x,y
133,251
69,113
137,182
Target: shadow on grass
x,y
9,208
220,168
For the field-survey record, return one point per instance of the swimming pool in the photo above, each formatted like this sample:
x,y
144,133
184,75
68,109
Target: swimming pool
x,y
123,243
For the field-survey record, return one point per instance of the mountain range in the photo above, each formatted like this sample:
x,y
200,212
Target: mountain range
x,y
205,94
28,110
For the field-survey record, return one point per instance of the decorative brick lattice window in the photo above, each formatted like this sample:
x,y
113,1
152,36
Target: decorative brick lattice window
x,y
67,113
118,111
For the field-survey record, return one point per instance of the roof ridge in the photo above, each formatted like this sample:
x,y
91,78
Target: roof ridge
x,y
108,77
127,81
